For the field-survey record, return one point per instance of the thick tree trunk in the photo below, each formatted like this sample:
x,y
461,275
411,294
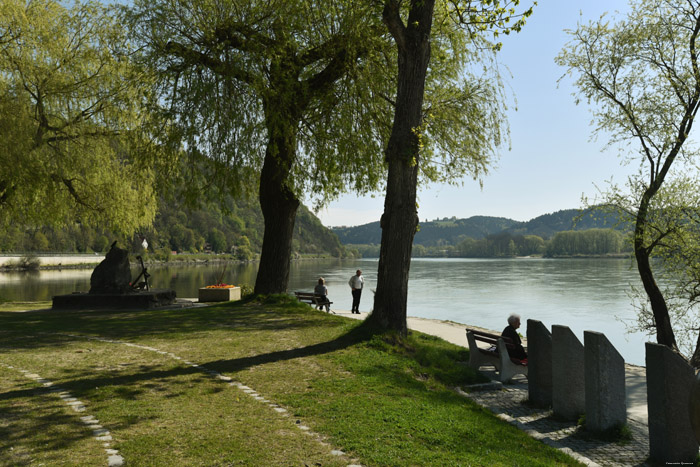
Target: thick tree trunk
x,y
400,217
279,207
662,320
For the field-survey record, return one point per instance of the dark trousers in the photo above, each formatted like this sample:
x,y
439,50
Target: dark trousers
x,y
356,293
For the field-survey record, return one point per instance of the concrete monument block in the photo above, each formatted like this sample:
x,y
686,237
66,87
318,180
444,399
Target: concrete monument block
x,y
568,376
539,362
604,370
695,407
669,384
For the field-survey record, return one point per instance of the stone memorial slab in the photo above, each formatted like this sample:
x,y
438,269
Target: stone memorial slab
x,y
604,370
669,384
695,407
568,375
539,362
113,274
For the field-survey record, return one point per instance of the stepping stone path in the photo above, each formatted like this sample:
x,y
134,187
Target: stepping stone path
x,y
226,379
98,431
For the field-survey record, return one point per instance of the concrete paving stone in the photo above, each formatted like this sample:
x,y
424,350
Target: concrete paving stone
x,y
115,461
562,434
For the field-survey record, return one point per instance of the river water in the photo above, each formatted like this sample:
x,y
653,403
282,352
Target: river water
x,y
584,294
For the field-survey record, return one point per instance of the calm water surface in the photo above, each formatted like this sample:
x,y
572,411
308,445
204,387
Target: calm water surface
x,y
584,294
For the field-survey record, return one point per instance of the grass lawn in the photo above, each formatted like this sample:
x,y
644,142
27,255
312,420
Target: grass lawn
x,y
378,399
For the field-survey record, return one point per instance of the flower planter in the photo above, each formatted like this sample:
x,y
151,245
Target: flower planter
x,y
219,294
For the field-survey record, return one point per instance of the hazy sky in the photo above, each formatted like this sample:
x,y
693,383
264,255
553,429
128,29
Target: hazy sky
x,y
553,160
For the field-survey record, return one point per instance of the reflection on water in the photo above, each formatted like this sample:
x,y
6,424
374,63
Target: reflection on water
x,y
584,294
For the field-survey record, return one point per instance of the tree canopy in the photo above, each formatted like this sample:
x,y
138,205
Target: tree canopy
x,y
642,78
70,99
285,93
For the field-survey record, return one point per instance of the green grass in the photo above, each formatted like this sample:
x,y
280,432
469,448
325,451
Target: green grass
x,y
381,399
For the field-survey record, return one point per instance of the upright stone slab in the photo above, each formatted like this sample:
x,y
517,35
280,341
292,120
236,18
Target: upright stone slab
x,y
539,363
695,407
669,384
568,376
604,370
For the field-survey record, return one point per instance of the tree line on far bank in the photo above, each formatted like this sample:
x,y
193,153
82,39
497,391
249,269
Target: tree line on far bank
x,y
591,242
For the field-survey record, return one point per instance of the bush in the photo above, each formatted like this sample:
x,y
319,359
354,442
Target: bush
x,y
27,263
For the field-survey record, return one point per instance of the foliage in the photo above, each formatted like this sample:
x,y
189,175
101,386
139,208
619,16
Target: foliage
x,y
71,100
182,229
641,76
29,262
574,232
587,242
228,72
674,228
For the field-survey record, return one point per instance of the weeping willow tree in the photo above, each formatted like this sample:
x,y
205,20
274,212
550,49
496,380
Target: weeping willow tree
x,y
70,101
285,93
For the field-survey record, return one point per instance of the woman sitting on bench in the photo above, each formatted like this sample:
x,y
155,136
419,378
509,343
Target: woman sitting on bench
x,y
322,291
517,351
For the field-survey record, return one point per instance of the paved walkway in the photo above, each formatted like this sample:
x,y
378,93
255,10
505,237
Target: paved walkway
x,y
506,401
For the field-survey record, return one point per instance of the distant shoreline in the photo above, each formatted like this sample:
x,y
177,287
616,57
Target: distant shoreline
x,y
8,262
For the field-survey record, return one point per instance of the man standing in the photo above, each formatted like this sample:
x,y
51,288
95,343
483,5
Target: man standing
x,y
356,282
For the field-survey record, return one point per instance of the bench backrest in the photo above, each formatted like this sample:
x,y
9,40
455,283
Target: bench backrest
x,y
491,339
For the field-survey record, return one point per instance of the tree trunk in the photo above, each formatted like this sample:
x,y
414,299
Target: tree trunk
x,y
400,217
279,207
662,320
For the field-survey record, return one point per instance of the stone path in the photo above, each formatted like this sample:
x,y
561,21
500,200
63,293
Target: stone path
x,y
228,380
98,431
506,401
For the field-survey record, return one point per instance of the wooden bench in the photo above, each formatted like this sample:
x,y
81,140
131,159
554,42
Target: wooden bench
x,y
496,354
313,299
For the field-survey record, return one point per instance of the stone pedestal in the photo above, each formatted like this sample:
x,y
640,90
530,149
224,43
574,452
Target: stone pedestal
x,y
219,294
669,383
568,375
539,363
606,406
134,300
695,407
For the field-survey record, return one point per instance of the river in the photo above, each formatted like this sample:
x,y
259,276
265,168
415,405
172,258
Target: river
x,y
584,294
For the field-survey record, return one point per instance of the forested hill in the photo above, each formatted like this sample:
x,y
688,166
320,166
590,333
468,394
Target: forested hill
x,y
431,233
547,225
449,231
238,229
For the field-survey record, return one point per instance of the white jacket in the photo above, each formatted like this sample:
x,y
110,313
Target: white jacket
x,y
356,282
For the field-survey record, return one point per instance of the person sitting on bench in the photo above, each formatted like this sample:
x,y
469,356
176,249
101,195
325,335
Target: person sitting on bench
x,y
517,351
322,291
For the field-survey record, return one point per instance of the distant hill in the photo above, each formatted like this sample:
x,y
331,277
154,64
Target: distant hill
x,y
237,229
547,225
451,231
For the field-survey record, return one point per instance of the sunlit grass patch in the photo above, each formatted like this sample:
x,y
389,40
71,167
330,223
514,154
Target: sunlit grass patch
x,y
383,399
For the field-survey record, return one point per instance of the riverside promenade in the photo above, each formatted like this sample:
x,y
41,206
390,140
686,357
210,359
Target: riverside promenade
x,y
507,402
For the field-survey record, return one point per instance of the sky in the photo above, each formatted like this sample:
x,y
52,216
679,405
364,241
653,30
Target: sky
x,y
553,160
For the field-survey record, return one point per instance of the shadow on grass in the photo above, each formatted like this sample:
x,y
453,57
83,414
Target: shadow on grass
x,y
360,333
127,324
81,381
